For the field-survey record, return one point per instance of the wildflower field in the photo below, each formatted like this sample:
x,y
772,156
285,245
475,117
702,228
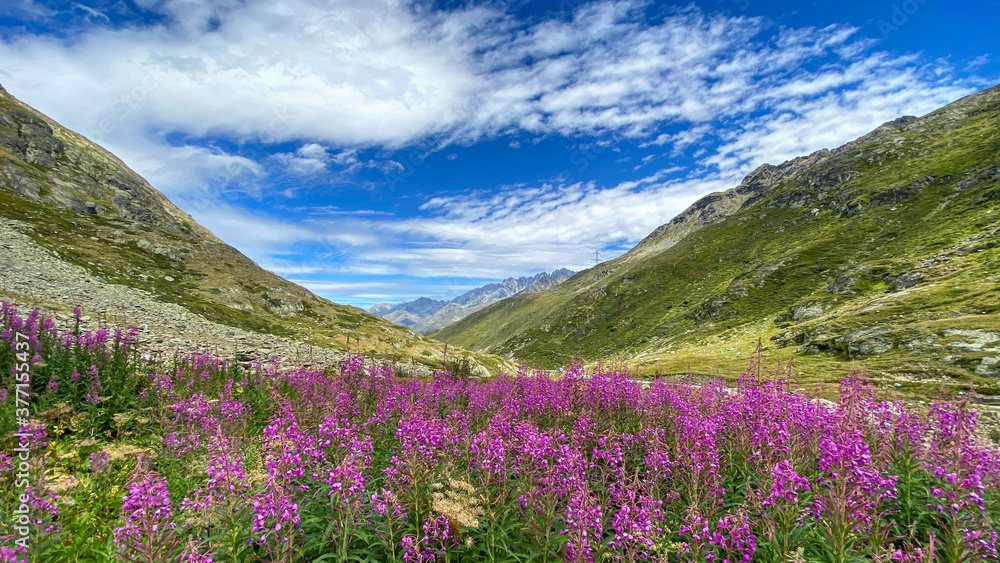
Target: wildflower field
x,y
203,459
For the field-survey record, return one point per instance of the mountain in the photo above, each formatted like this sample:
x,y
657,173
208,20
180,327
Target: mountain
x,y
425,314
79,206
884,250
419,308
493,292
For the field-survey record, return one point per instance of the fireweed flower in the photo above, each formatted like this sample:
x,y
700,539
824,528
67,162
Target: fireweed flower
x,y
347,478
851,493
727,539
274,512
37,436
424,444
17,555
227,478
44,509
94,391
636,522
288,449
786,484
149,530
99,462
588,460
435,541
384,503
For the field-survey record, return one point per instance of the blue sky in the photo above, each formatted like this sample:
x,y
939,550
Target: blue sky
x,y
381,150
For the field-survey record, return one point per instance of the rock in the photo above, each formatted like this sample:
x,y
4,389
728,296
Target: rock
x,y
843,284
906,281
867,341
864,333
872,346
893,195
973,341
807,311
36,273
144,244
988,367
93,208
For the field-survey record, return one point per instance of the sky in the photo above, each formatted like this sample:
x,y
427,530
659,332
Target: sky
x,y
382,150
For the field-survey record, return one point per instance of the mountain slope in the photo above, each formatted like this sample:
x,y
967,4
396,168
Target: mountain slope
x,y
883,249
425,314
86,207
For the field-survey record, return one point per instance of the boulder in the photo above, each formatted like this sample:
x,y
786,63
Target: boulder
x,y
973,341
807,311
867,341
989,367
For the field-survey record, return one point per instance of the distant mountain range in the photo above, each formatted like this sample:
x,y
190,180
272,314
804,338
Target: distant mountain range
x,y
425,314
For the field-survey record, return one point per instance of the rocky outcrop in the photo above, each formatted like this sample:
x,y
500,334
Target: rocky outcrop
x,y
867,341
716,207
46,162
989,367
972,341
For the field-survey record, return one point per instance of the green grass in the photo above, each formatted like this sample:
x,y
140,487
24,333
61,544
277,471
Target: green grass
x,y
717,290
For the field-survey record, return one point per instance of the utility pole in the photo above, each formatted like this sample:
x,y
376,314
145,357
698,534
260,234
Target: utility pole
x,y
597,257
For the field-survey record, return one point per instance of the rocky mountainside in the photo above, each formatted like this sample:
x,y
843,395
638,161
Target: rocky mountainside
x,y
79,205
425,314
493,292
419,308
883,250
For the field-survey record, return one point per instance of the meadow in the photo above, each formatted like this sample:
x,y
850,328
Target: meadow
x,y
205,459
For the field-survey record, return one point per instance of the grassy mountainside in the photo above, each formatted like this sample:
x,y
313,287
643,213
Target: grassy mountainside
x,y
81,202
885,249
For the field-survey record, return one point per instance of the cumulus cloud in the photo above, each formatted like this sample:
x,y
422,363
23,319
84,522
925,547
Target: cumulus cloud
x,y
385,73
310,158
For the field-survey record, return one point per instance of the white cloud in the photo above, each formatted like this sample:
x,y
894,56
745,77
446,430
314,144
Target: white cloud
x,y
978,62
346,158
381,73
799,126
289,78
310,158
334,78
518,231
268,237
